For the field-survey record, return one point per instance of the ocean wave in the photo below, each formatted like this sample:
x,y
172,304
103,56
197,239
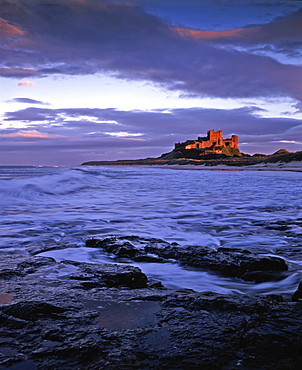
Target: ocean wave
x,y
45,185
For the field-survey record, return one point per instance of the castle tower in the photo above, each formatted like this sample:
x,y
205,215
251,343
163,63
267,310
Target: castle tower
x,y
215,137
235,141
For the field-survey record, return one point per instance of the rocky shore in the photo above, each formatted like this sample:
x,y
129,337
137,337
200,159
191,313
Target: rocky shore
x,y
73,315
230,262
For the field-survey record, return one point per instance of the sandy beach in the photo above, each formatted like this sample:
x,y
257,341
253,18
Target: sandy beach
x,y
295,166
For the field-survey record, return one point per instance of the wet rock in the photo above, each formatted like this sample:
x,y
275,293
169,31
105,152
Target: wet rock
x,y
109,275
32,310
15,265
231,262
11,322
56,324
131,247
264,276
31,265
297,296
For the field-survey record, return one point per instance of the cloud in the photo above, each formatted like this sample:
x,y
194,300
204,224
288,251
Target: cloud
x,y
56,136
31,134
26,101
291,142
210,35
160,126
282,29
31,114
26,83
281,36
9,30
16,72
89,37
124,134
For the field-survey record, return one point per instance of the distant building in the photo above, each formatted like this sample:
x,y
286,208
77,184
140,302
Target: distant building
x,y
213,143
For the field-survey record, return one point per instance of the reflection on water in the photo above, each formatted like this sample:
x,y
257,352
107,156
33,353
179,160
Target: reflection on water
x,y
124,315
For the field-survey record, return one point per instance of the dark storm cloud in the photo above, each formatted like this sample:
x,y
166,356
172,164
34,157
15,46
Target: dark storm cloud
x,y
87,37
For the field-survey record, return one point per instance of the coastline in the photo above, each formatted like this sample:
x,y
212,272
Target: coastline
x,y
274,162
294,166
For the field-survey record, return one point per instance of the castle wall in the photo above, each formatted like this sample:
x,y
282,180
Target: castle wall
x,y
199,144
213,139
235,141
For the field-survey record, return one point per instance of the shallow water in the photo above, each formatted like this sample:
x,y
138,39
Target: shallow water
x,y
261,211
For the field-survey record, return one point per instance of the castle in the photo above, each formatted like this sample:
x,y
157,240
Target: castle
x,y
213,143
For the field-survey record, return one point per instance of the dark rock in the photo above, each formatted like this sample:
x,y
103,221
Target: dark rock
x,y
8,274
59,325
263,276
231,262
297,296
12,322
32,310
109,275
31,265
20,265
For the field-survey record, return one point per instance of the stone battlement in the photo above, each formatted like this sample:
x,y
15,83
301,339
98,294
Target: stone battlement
x,y
213,143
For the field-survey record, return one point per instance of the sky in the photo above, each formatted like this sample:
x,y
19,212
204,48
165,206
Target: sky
x,y
84,80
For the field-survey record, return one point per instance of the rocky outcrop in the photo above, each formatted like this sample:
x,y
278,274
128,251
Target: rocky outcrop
x,y
108,275
231,262
297,296
50,320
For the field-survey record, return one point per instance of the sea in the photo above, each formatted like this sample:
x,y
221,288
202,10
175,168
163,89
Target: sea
x,y
49,207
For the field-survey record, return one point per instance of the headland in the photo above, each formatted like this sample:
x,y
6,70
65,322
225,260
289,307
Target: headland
x,y
214,152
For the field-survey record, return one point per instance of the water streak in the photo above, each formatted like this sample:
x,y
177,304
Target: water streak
x,y
261,211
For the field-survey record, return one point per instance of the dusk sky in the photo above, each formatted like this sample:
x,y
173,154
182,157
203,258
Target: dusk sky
x,y
104,80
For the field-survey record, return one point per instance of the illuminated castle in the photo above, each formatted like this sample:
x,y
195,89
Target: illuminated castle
x,y
213,143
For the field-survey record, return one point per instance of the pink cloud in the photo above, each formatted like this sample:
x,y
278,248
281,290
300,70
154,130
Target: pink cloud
x,y
26,83
209,35
8,30
282,29
31,134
